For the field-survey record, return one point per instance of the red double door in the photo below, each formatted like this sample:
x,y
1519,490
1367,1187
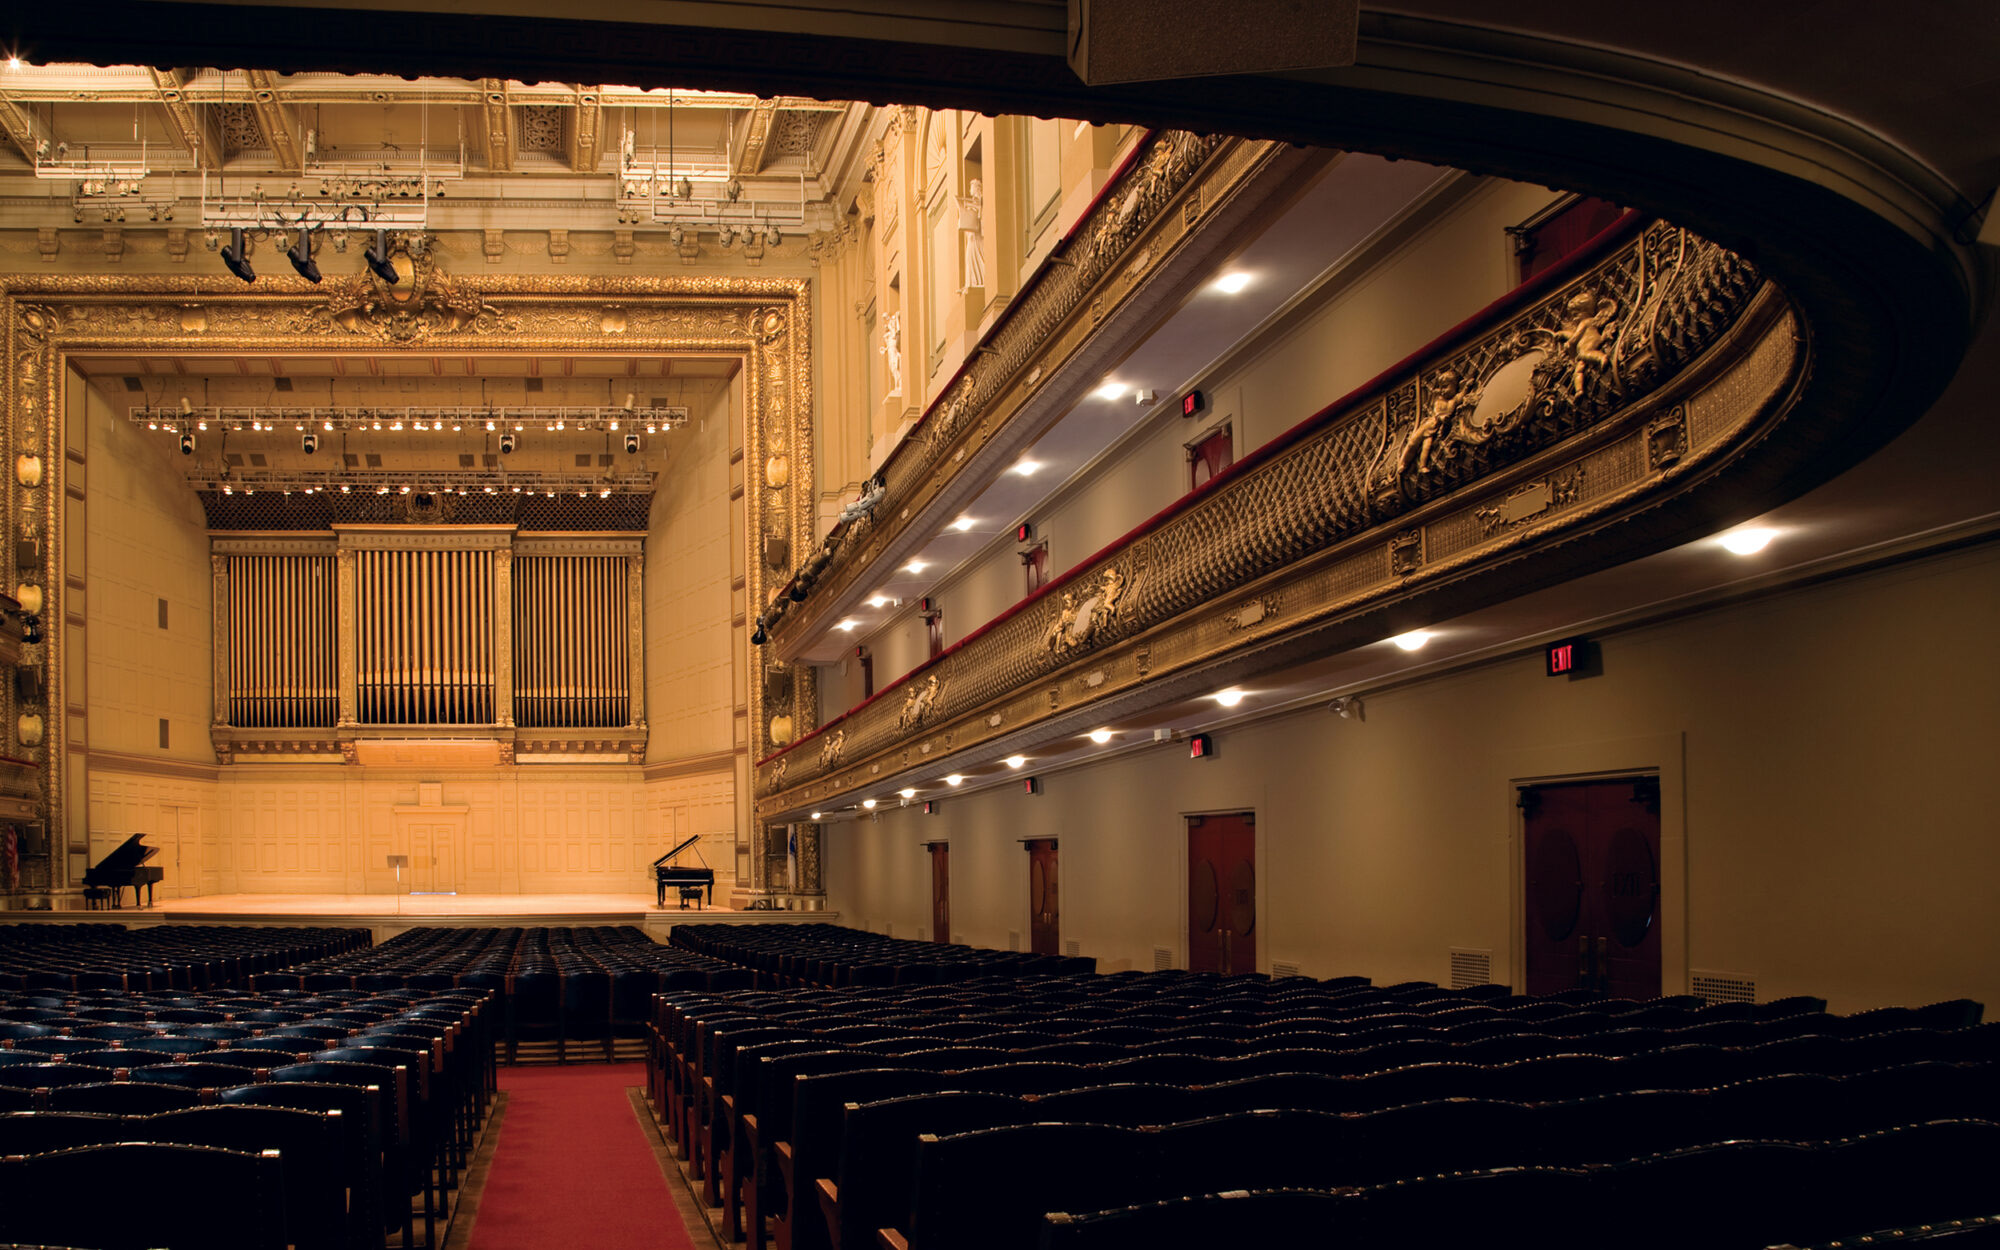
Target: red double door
x,y
1222,893
1593,885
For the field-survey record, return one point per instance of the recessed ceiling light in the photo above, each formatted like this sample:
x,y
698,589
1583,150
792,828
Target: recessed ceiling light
x,y
869,804
815,816
849,624
1100,736
876,601
963,524
956,779
1228,698
915,566
1111,390
1412,641
1015,761
1232,283
1748,542
1026,468
908,792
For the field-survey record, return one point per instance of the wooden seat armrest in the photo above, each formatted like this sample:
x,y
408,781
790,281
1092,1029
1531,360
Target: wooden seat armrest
x,y
891,1239
750,1130
783,1151
829,1206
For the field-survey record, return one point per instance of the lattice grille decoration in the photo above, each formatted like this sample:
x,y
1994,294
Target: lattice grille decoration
x,y
240,132
274,510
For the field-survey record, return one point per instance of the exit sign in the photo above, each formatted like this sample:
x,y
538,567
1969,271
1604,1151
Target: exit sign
x,y
1568,658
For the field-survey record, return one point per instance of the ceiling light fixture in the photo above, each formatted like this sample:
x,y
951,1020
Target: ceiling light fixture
x,y
1748,542
963,524
1015,761
915,566
378,260
908,792
956,779
234,259
1232,283
1414,640
1110,390
1228,698
1100,736
301,256
869,804
850,625
1026,468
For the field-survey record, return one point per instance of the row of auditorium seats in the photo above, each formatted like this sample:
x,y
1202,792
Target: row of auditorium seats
x,y
38,955
588,985
410,1073
830,955
753,1087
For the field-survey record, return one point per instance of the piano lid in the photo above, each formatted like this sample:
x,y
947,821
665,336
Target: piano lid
x,y
130,853
677,850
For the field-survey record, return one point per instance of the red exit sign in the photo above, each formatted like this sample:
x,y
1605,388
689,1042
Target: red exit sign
x,y
1567,657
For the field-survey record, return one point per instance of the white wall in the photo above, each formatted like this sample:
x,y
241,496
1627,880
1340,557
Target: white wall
x,y
1825,752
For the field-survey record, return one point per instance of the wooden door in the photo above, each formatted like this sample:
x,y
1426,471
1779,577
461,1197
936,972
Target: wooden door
x,y
433,858
1222,893
1044,899
1593,886
940,892
176,839
422,862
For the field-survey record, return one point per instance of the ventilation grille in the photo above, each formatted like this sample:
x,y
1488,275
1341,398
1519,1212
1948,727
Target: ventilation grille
x,y
1285,968
1470,968
1722,987
1072,948
1013,939
1163,959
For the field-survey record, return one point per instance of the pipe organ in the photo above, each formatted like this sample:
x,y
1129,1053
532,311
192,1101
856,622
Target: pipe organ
x,y
282,661
401,627
571,668
424,637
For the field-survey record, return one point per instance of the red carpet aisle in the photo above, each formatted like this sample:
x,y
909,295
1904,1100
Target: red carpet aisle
x,y
573,1167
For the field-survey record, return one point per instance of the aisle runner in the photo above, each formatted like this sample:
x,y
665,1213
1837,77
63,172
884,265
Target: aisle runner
x,y
573,1167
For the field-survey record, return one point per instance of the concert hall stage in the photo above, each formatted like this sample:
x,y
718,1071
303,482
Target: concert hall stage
x,y
389,914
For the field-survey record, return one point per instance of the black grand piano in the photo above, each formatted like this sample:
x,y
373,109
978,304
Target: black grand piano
x,y
686,879
126,865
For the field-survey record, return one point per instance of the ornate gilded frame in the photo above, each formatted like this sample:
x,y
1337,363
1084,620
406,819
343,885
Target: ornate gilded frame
x,y
44,320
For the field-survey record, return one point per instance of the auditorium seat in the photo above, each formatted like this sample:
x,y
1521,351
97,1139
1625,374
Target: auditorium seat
x,y
153,1182
122,1097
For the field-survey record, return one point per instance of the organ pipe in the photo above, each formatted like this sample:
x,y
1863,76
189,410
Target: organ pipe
x,y
281,657
425,637
571,665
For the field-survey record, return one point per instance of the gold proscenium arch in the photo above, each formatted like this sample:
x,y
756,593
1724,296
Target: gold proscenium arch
x,y
765,322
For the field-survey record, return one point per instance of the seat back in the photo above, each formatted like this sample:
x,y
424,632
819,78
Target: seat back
x,y
152,1208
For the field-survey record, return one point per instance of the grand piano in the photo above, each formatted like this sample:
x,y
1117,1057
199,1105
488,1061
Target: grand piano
x,y
684,877
126,865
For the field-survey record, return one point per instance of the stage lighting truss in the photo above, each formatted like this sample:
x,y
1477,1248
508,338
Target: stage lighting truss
x,y
391,193
698,195
388,423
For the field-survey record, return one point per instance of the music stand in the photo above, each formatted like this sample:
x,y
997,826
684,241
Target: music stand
x,y
399,862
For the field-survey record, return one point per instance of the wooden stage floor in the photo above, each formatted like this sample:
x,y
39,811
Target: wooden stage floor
x,y
388,914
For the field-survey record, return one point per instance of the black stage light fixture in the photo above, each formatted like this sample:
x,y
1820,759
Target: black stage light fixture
x,y
506,444
631,444
234,259
187,444
301,256
309,444
757,636
378,258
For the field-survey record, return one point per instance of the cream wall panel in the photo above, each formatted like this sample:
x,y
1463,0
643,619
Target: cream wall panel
x,y
1835,797
687,591
147,541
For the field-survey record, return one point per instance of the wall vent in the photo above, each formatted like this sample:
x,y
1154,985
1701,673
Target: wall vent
x,y
1072,948
532,385
1722,987
1013,939
282,384
1470,967
1163,959
1285,968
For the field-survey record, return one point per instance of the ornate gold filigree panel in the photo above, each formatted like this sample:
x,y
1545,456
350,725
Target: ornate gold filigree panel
x,y
765,322
1599,397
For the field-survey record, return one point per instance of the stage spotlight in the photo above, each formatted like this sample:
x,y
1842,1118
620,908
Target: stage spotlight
x,y
309,444
187,444
757,636
301,256
506,444
234,259
631,444
378,258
